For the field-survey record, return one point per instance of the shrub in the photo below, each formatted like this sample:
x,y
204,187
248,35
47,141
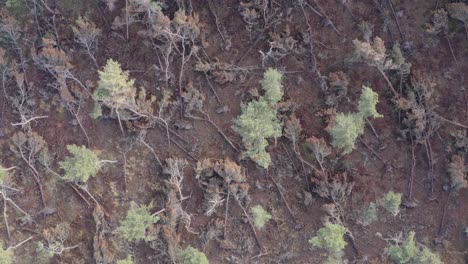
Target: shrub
x,y
260,216
191,255
271,83
370,215
404,252
128,260
138,219
83,165
347,129
391,202
6,256
330,237
408,252
367,103
426,257
3,174
457,173
258,122
115,88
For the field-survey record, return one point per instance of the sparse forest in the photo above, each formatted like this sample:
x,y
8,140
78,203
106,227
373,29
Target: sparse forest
x,y
234,131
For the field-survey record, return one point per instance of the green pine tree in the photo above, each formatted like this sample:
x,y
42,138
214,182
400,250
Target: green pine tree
x,y
271,84
192,255
6,256
138,219
367,103
330,237
128,260
405,252
391,202
115,89
347,129
81,166
260,216
258,122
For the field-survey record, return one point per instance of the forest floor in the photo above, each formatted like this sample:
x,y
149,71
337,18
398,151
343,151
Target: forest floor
x,y
389,162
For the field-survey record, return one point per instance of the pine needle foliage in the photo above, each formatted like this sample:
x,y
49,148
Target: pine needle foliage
x,y
330,237
349,127
391,202
258,120
3,174
138,219
405,252
409,252
271,83
192,255
83,164
115,88
260,216
128,260
6,256
370,215
367,103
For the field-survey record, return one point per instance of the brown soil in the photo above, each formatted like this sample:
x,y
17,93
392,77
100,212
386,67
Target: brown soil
x,y
285,237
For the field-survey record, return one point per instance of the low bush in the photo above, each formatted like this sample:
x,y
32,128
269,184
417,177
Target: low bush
x,y
260,216
138,219
192,255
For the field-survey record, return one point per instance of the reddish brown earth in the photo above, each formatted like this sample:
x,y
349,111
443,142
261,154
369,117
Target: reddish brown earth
x,y
283,239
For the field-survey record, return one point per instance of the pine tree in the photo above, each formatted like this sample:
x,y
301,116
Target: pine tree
x,y
192,255
138,219
347,129
258,120
330,237
83,165
271,84
260,216
391,202
115,88
6,256
405,252
128,260
367,103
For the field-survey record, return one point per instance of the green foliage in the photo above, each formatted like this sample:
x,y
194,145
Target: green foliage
x,y
330,237
6,256
271,83
408,252
191,255
128,260
370,215
391,202
260,216
367,103
16,7
257,122
97,111
3,174
347,129
403,253
138,219
426,257
115,88
83,165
